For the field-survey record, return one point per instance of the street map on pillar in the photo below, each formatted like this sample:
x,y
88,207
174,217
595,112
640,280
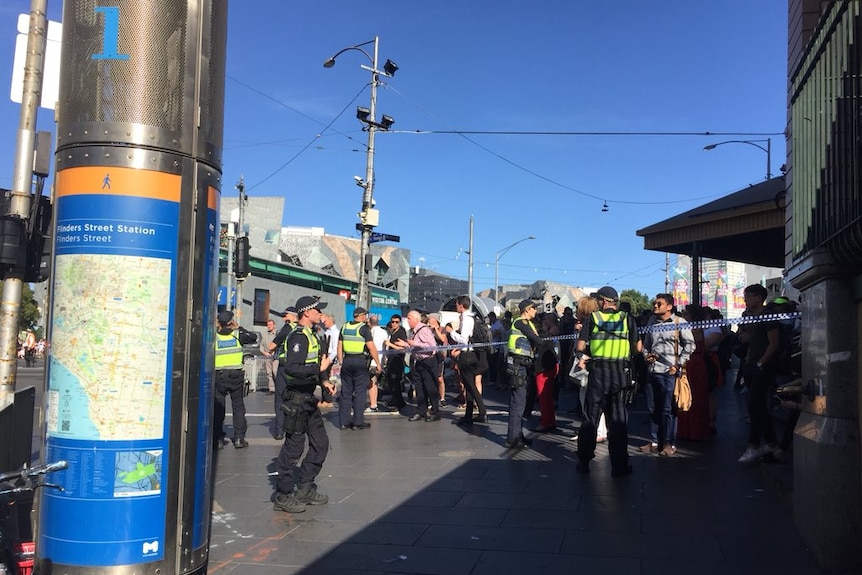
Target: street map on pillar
x,y
108,400
112,291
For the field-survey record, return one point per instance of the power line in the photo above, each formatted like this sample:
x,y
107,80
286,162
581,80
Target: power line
x,y
604,199
308,145
555,133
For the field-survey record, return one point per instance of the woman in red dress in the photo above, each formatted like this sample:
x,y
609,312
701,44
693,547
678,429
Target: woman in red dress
x,y
694,424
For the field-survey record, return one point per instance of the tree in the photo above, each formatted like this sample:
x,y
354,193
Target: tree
x,y
30,315
639,301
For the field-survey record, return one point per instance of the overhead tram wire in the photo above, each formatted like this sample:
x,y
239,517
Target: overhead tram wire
x,y
299,112
604,199
464,134
308,145
438,259
555,133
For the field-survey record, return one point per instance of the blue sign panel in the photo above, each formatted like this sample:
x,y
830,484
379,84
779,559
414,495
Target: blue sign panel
x,y
201,520
107,398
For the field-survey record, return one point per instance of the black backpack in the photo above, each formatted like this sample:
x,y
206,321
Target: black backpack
x,y
481,331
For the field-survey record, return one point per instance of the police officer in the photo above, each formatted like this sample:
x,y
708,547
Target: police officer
x,y
278,347
303,365
230,379
523,341
355,345
613,338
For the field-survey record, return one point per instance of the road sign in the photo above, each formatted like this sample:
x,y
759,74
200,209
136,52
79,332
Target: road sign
x,y
51,66
378,237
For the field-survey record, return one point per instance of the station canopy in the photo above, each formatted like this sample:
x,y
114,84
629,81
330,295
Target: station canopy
x,y
746,226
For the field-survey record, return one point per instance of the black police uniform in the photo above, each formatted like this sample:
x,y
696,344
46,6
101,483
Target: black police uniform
x,y
355,375
231,382
279,341
302,378
607,380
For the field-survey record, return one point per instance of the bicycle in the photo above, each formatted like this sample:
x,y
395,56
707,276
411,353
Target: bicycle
x,y
16,540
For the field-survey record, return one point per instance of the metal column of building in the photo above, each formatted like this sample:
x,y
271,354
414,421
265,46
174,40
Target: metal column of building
x,y
129,384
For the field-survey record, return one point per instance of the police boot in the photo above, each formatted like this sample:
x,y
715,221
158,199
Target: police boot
x,y
307,493
287,503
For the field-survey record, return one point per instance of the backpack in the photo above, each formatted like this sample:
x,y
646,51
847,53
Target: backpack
x,y
481,331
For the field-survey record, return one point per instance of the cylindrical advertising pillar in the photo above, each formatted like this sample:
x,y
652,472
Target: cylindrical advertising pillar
x,y
129,379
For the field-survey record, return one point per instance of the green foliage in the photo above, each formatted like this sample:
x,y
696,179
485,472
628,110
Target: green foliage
x,y
30,315
639,301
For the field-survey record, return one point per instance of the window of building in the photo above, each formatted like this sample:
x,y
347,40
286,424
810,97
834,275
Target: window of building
x,y
261,306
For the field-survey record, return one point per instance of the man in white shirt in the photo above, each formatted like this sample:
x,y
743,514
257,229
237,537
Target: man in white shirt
x,y
467,361
379,336
331,333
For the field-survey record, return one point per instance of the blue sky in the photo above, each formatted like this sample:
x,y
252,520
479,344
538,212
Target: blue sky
x,y
665,66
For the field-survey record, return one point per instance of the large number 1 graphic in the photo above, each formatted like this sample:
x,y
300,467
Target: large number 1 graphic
x,y
111,36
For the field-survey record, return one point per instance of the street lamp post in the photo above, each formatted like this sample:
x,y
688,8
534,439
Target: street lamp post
x,y
500,254
368,216
756,144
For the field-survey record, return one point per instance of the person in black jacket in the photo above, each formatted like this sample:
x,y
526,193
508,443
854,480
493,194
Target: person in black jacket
x,y
304,362
230,379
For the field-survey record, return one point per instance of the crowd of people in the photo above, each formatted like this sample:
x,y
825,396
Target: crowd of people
x,y
599,347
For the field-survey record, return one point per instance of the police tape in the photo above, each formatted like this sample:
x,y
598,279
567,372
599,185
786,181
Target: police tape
x,y
744,320
654,328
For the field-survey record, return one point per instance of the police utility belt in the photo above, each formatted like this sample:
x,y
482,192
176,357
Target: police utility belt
x,y
516,359
616,362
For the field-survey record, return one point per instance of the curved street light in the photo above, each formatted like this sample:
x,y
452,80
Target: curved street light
x,y
755,143
500,254
369,216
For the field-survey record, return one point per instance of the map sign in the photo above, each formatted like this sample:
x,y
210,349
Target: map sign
x,y
108,399
108,374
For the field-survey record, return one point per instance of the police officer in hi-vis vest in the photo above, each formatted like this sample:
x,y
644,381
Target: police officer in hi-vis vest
x,y
230,379
304,362
523,341
613,338
278,348
355,345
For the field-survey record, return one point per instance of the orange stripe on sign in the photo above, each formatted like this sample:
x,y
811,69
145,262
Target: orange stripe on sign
x,y
115,181
212,197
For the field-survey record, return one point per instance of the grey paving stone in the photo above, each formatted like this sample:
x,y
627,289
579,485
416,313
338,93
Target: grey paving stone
x,y
453,502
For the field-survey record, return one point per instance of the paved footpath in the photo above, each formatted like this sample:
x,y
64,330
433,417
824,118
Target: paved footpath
x,y
433,498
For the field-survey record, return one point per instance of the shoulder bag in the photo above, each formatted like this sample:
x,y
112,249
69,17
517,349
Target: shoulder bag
x,y
681,389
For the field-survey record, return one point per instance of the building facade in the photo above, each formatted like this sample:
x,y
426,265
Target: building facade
x,y
823,259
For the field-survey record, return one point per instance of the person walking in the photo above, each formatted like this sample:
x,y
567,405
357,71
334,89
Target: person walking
x,y
523,342
667,351
613,338
230,379
303,365
355,345
467,360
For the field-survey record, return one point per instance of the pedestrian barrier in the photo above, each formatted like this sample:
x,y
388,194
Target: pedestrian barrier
x,y
255,374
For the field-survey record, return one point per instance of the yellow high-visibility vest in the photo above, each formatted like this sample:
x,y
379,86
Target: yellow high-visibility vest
x,y
228,351
518,343
610,336
352,341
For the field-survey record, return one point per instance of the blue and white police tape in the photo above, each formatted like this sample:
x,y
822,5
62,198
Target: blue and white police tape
x,y
658,327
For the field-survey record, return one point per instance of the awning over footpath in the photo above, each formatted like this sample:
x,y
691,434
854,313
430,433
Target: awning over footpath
x,y
746,226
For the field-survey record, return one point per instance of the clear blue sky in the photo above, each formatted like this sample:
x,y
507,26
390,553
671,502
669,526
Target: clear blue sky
x,y
553,66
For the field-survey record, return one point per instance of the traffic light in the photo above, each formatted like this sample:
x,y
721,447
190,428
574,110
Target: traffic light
x,y
23,244
241,263
38,265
